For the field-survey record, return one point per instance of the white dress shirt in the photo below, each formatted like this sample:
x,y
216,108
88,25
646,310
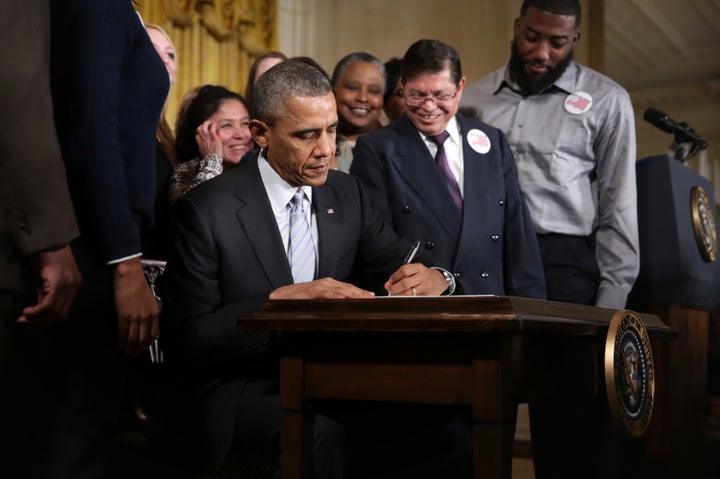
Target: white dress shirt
x,y
280,192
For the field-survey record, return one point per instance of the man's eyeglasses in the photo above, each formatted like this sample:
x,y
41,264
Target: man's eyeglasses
x,y
419,99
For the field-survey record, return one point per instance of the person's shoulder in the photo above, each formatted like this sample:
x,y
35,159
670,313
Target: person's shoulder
x,y
396,127
340,188
219,187
340,180
342,184
485,85
468,123
387,133
593,79
86,13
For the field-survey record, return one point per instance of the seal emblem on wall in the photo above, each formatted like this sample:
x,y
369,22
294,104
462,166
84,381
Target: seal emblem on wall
x,y
629,374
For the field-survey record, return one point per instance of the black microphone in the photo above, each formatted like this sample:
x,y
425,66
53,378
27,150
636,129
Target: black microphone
x,y
682,131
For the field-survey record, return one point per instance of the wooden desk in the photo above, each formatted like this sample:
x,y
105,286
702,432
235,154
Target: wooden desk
x,y
486,353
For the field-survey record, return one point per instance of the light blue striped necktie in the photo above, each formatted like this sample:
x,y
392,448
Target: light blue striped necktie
x,y
302,247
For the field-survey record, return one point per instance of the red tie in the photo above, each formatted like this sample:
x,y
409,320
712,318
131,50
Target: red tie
x,y
441,160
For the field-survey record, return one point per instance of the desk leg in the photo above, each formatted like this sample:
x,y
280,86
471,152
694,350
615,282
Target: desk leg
x,y
296,434
494,420
492,450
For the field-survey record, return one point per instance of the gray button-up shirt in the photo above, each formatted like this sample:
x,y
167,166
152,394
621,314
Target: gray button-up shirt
x,y
575,157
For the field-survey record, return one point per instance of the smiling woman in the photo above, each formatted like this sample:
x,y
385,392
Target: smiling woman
x,y
213,137
359,84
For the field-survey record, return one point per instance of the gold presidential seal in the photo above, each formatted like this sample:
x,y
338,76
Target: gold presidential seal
x,y
629,374
704,224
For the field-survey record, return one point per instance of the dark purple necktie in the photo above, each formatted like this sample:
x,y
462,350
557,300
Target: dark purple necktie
x,y
441,160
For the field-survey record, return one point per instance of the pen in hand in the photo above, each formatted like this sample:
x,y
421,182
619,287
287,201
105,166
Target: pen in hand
x,y
411,254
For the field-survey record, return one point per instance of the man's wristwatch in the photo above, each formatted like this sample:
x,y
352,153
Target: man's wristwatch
x,y
450,278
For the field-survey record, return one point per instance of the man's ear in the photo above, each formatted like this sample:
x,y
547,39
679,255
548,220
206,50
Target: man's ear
x,y
259,131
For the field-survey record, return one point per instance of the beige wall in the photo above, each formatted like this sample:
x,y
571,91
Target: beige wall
x,y
697,104
327,30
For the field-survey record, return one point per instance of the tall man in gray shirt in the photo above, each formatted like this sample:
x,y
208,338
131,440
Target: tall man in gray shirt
x,y
572,132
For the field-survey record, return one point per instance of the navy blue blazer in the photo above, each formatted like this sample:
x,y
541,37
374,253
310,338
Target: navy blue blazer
x,y
109,86
492,246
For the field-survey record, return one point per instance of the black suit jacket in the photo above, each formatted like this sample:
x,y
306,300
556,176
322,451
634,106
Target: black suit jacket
x,y
492,246
229,256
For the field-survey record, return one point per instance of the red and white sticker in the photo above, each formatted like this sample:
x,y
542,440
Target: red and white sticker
x,y
478,141
578,103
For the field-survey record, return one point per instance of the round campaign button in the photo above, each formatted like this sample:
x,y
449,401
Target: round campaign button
x,y
578,103
478,141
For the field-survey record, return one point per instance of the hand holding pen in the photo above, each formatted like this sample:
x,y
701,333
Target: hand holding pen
x,y
411,253
416,279
407,259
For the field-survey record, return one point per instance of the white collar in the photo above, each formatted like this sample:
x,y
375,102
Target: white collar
x,y
452,128
279,191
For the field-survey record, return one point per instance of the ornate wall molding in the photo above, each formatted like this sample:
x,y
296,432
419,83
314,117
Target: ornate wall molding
x,y
179,11
216,40
678,95
227,19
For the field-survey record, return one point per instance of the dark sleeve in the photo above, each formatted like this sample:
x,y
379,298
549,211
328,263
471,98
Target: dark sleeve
x,y
380,250
524,272
156,241
34,200
89,45
197,325
370,167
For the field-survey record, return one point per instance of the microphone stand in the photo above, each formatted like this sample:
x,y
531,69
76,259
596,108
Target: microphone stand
x,y
683,151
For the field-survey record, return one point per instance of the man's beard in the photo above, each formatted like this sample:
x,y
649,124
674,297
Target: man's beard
x,y
533,85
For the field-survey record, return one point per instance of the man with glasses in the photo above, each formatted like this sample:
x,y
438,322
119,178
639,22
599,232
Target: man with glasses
x,y
449,182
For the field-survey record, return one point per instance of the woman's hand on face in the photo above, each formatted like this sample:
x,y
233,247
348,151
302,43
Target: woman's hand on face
x,y
208,140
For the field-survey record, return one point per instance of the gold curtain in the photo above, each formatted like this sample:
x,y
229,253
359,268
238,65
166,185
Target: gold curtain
x,y
215,40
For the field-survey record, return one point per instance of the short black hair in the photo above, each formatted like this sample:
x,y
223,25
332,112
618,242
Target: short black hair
x,y
570,8
430,56
289,79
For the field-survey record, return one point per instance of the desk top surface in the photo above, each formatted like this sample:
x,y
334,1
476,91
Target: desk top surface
x,y
491,314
